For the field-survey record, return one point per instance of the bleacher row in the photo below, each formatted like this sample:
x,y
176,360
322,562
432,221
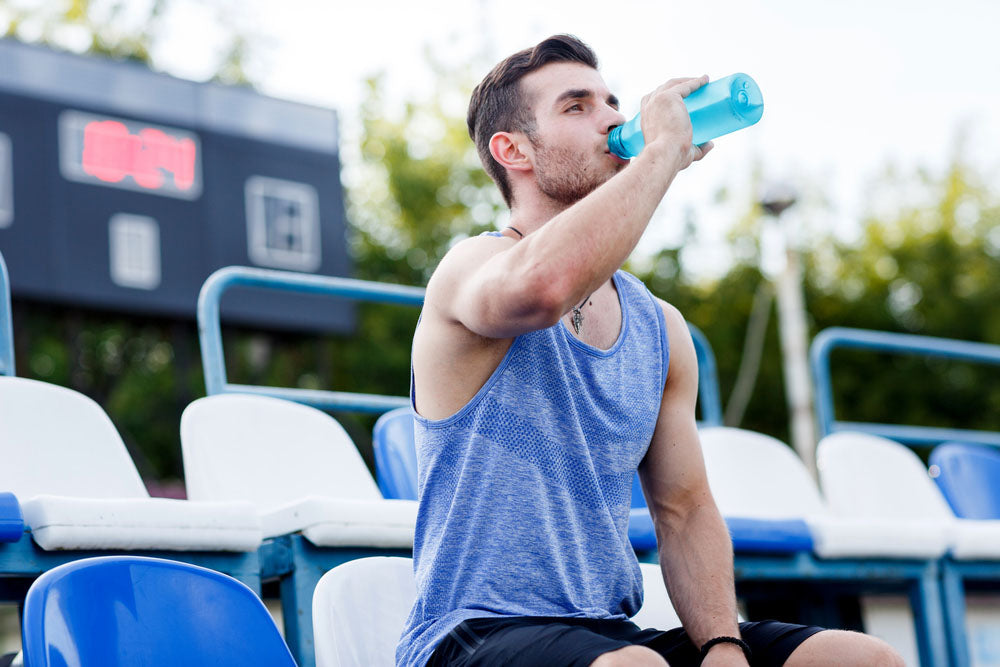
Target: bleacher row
x,y
278,491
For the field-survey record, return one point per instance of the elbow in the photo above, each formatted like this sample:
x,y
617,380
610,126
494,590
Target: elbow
x,y
542,296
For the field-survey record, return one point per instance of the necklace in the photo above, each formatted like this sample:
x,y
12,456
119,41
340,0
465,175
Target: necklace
x,y
515,230
578,315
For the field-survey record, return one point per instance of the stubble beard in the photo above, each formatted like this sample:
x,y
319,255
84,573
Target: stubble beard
x,y
567,176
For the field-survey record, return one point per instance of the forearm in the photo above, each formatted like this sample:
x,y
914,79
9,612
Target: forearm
x,y
696,558
582,246
578,249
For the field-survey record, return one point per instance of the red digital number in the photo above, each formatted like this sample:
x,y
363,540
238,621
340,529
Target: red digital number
x,y
111,152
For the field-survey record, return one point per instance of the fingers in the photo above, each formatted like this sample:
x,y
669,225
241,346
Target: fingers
x,y
688,86
702,150
685,85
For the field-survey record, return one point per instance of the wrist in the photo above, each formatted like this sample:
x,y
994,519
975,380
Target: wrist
x,y
662,153
725,643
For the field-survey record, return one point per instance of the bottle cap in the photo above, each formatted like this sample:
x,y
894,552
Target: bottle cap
x,y
747,100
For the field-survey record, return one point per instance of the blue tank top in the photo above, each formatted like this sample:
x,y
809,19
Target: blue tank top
x,y
525,491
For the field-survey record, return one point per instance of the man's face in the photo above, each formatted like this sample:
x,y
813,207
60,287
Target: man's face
x,y
574,111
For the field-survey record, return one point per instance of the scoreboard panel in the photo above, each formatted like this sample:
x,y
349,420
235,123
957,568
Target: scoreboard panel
x,y
123,189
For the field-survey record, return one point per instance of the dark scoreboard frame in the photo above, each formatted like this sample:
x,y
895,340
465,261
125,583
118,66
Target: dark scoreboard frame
x,y
123,189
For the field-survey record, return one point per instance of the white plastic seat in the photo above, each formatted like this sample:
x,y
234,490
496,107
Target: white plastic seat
x,y
753,475
79,489
360,607
296,464
866,475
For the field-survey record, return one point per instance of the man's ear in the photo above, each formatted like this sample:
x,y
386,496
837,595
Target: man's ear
x,y
512,150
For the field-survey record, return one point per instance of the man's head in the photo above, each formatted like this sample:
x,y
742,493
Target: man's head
x,y
500,103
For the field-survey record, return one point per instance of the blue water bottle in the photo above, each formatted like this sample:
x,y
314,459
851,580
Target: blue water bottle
x,y
717,108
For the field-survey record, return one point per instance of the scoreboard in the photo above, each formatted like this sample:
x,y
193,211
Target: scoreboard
x,y
123,189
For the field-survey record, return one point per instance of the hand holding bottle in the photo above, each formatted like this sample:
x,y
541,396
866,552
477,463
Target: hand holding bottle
x,y
715,109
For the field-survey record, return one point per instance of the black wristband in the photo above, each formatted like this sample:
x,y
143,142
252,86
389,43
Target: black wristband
x,y
726,640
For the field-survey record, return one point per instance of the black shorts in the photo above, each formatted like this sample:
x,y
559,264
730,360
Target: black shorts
x,y
530,641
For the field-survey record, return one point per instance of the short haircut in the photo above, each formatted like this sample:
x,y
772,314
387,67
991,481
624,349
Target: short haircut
x,y
498,103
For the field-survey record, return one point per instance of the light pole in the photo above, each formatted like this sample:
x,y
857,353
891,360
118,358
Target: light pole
x,y
794,332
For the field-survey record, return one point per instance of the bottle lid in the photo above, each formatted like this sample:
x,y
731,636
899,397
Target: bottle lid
x,y
747,100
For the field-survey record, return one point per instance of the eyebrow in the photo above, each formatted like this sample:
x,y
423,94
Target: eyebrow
x,y
583,93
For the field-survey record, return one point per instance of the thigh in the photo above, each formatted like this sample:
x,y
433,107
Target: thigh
x,y
525,642
770,643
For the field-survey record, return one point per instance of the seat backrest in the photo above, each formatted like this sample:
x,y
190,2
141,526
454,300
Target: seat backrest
x,y
969,477
657,609
268,451
54,440
757,476
395,454
125,610
864,475
360,608
11,519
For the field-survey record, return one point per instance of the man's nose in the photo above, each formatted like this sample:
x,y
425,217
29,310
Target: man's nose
x,y
615,119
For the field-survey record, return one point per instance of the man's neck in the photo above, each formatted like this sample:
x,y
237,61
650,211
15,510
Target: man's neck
x,y
529,216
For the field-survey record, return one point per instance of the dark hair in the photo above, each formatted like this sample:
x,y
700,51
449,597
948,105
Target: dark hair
x,y
498,104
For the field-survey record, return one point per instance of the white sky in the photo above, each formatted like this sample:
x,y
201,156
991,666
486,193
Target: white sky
x,y
848,85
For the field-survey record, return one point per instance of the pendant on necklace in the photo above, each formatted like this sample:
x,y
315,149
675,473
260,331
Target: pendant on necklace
x,y
577,320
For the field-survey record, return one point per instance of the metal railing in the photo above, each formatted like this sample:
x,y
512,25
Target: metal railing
x,y
6,323
902,344
214,361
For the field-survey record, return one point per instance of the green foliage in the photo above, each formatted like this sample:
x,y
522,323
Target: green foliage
x,y
419,188
927,262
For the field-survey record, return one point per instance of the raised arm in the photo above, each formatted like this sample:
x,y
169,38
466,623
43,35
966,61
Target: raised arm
x,y
498,288
695,551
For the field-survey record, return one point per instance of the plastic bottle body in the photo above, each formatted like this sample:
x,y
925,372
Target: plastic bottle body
x,y
717,108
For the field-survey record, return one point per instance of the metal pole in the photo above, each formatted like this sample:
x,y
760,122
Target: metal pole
x,y
795,353
793,331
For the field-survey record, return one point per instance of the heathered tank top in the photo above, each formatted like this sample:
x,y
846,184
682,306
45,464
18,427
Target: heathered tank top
x,y
525,491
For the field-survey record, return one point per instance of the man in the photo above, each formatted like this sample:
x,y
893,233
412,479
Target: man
x,y
543,377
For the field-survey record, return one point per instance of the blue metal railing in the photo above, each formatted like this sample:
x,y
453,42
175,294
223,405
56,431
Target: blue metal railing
x,y
903,344
214,362
709,399
210,331
6,323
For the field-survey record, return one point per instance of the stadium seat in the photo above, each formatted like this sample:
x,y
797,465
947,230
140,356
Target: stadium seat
x,y
119,611
755,476
865,475
318,503
296,464
78,488
11,521
969,477
395,454
360,608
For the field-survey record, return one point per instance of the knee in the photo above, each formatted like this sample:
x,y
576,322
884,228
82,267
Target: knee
x,y
630,656
883,654
839,647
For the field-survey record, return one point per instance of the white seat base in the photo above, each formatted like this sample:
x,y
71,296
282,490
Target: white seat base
x,y
849,537
343,522
61,522
975,539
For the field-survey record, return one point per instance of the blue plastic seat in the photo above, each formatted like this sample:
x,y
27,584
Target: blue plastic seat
x,y
119,611
969,478
395,454
11,521
750,536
